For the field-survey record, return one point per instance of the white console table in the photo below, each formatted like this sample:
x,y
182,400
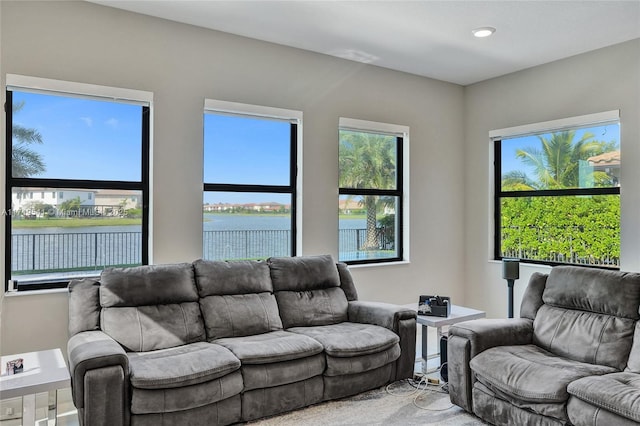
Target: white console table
x,y
458,314
44,371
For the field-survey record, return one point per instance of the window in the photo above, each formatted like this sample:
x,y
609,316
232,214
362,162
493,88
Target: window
x,y
371,191
557,191
81,143
250,181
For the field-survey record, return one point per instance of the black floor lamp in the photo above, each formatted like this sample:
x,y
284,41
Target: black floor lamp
x,y
510,272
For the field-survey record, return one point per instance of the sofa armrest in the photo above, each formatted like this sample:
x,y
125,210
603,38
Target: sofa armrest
x,y
487,333
99,370
467,339
385,315
398,319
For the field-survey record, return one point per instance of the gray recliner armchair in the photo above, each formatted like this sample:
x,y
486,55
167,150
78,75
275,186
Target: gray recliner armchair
x,y
573,357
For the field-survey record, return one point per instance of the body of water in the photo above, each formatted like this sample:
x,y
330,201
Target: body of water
x,y
225,236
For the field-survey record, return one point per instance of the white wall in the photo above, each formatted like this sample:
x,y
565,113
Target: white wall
x,y
182,65
597,81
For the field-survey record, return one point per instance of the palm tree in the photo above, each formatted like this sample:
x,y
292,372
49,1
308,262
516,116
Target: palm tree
x,y
25,162
368,161
556,162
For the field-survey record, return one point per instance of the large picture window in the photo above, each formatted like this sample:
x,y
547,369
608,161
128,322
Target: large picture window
x,y
371,192
557,192
76,181
250,181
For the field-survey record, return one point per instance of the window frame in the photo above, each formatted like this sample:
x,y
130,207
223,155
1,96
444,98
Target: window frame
x,y
401,191
294,118
497,136
74,90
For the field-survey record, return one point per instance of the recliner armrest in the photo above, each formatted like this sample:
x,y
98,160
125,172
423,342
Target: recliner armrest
x,y
92,350
398,319
385,315
484,333
467,339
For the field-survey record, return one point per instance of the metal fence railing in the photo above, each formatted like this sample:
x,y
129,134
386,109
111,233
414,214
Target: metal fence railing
x,y
562,244
59,252
38,253
246,244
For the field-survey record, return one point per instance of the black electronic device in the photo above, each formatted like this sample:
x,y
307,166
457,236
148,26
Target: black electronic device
x,y
437,306
444,372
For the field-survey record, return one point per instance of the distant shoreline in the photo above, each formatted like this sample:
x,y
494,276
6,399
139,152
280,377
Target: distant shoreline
x,y
118,221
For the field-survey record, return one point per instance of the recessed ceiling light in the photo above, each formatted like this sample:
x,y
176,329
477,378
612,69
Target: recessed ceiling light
x,y
483,31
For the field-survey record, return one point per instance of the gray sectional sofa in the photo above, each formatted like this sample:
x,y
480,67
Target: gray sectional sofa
x,y
225,342
572,358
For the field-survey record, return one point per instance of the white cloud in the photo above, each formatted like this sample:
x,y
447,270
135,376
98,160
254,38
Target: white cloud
x,y
112,122
87,120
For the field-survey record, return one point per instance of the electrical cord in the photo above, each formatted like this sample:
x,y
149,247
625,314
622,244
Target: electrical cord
x,y
420,388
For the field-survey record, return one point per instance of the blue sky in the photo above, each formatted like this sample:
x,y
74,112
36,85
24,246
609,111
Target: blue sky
x,y
91,139
83,139
606,133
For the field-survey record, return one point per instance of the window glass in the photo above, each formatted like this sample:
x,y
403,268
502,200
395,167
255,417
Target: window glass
x,y
83,158
62,137
367,160
558,196
246,225
578,158
87,231
370,202
250,186
246,150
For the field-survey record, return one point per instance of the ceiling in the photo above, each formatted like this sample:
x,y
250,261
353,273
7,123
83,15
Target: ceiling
x,y
428,38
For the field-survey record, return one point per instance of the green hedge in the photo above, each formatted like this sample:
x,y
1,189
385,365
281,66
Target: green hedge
x,y
572,227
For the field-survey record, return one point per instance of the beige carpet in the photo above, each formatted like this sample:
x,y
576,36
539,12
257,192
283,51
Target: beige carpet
x,y
378,407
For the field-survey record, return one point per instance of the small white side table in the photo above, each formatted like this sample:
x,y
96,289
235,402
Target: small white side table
x,y
458,314
44,371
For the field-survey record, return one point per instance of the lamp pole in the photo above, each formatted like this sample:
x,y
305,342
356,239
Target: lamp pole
x,y
510,283
510,272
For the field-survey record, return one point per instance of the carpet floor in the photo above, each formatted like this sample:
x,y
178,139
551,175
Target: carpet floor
x,y
402,406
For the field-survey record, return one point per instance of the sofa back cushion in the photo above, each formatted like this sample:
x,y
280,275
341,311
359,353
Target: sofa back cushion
x,y
633,364
84,305
236,298
308,291
151,307
588,315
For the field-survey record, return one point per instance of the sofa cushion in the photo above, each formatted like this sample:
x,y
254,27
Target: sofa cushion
x,y
151,307
236,298
259,376
217,278
349,339
181,366
313,307
617,392
276,346
308,291
502,409
303,273
169,400
338,366
594,290
529,373
223,412
346,282
84,305
351,384
153,327
588,314
584,336
148,285
582,413
240,315
259,403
